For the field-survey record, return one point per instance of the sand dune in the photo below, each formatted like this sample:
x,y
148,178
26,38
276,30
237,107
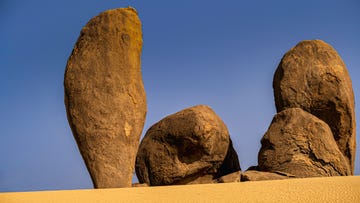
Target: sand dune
x,y
333,189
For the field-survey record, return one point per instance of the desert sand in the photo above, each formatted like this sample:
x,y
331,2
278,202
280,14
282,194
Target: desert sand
x,y
332,189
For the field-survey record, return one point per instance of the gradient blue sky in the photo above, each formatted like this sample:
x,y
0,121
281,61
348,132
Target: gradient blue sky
x,y
219,53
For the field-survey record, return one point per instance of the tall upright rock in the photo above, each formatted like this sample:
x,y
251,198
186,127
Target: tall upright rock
x,y
105,97
313,77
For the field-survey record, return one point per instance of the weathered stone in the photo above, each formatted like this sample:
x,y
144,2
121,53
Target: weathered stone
x,y
104,95
312,76
229,178
184,148
301,144
253,175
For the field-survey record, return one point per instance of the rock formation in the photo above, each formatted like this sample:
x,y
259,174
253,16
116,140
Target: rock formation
x,y
105,97
185,148
301,144
313,133
313,77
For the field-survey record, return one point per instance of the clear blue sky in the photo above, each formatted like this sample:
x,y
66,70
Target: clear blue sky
x,y
219,53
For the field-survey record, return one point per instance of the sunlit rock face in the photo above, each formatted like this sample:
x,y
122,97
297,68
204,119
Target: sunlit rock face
x,y
104,95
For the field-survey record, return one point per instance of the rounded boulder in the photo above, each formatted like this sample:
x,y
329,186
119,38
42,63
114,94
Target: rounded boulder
x,y
187,147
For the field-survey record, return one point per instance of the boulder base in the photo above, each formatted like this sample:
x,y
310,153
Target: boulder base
x,y
253,175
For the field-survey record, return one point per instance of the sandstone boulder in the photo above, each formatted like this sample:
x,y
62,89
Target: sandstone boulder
x,y
312,76
104,95
185,148
301,144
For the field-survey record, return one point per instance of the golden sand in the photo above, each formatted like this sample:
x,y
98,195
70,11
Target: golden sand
x,y
333,189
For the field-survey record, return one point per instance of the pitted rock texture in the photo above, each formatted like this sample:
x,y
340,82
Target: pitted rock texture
x,y
104,95
312,76
299,143
184,148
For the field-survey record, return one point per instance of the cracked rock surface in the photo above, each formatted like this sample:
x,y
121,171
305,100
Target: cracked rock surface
x,y
187,147
105,97
300,144
313,77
